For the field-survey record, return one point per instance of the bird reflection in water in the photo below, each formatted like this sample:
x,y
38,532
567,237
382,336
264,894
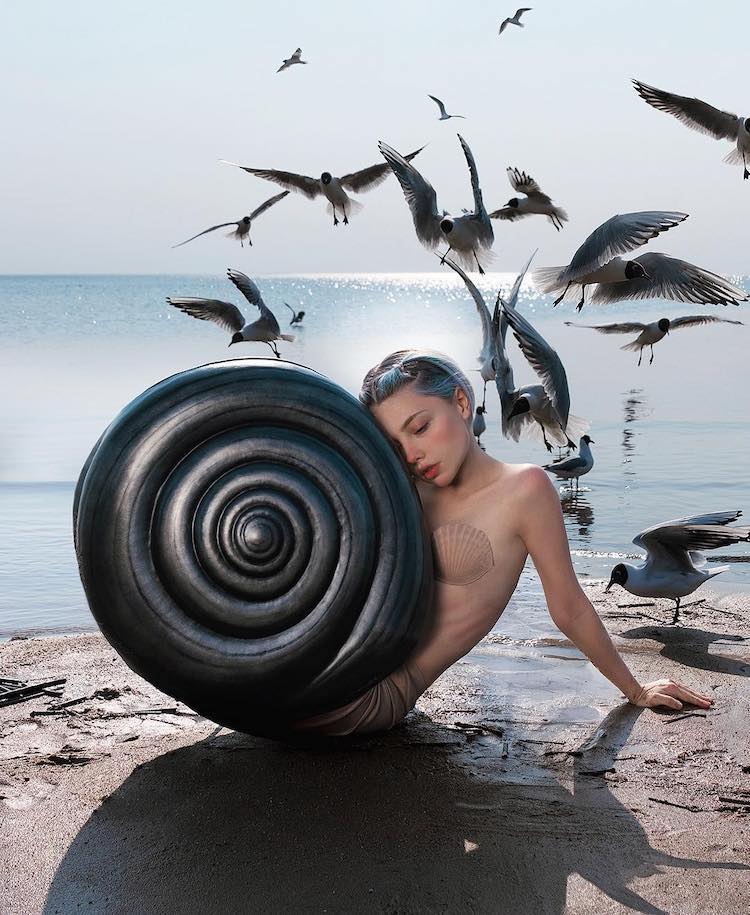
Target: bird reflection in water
x,y
576,507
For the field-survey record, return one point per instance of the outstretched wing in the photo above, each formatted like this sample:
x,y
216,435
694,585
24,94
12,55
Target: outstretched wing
x,y
626,327
691,111
221,225
437,101
525,184
700,532
267,204
224,314
474,175
484,313
544,360
368,178
618,235
420,196
507,213
306,185
251,292
694,320
671,278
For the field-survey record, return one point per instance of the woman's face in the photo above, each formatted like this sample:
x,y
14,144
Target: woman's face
x,y
431,432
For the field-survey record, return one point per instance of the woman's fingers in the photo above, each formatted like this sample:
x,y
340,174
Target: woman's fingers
x,y
666,699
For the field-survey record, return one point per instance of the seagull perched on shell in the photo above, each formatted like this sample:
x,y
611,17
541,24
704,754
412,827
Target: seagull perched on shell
x,y
535,201
515,19
296,58
470,235
332,188
264,329
242,226
648,334
672,567
721,125
444,116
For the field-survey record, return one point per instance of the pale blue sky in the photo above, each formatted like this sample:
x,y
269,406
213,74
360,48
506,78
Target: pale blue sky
x,y
115,117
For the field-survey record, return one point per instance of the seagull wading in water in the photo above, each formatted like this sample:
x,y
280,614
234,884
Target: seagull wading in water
x,y
574,467
291,61
721,125
263,330
470,236
444,116
242,226
648,334
535,201
515,19
673,568
297,316
597,262
329,186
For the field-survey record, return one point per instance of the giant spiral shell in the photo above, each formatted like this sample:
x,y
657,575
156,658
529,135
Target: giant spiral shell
x,y
250,543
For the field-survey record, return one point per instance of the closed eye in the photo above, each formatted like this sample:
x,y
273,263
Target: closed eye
x,y
421,429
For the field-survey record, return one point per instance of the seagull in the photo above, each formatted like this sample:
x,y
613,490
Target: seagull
x,y
672,568
574,467
479,425
722,125
598,260
492,357
535,201
444,116
466,234
297,316
242,229
332,188
544,406
648,334
291,61
263,330
514,20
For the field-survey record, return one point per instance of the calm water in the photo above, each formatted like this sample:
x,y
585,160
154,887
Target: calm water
x,y
670,438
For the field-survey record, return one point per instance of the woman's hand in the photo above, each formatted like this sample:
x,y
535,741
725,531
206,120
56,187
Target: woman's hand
x,y
669,692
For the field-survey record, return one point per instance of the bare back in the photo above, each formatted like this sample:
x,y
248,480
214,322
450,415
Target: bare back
x,y
478,557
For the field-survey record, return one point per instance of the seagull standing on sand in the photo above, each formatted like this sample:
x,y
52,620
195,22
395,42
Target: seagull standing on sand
x,y
598,260
242,226
648,334
535,201
263,330
574,467
479,425
515,19
721,125
291,61
470,235
672,568
444,116
541,407
297,316
332,188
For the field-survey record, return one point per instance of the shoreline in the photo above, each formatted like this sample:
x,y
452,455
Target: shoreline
x,y
467,805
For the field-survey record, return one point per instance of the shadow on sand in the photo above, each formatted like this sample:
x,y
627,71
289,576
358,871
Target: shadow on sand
x,y
396,823
690,646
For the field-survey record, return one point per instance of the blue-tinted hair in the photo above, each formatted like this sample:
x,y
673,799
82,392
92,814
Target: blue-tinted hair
x,y
432,372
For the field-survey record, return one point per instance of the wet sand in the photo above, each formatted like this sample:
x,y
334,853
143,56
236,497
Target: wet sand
x,y
466,806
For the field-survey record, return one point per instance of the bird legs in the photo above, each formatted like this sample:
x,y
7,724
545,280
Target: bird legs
x,y
335,218
652,354
544,436
746,173
479,266
561,297
676,611
275,350
484,396
579,306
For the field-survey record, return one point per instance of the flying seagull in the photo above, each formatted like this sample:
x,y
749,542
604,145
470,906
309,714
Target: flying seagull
x,y
470,235
648,334
672,567
444,116
242,226
598,259
535,201
264,329
291,61
721,125
574,467
297,316
332,188
515,19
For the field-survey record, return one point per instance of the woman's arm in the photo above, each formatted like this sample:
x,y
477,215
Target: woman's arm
x,y
542,530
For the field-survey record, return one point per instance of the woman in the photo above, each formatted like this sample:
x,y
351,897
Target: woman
x,y
487,517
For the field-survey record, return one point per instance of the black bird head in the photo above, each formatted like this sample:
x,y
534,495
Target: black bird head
x,y
663,325
246,220
618,577
480,410
446,225
237,338
326,177
520,407
634,270
513,202
588,440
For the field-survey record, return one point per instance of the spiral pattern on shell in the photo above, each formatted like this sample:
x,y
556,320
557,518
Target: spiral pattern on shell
x,y
251,544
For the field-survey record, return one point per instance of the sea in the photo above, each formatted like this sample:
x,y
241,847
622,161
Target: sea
x,y
670,438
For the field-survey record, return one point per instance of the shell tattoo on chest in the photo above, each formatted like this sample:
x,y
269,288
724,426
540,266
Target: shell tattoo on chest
x,y
462,553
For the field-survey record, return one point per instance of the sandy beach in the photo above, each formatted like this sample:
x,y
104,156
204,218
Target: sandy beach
x,y
130,802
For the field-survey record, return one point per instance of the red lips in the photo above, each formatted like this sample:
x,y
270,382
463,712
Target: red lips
x,y
430,471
